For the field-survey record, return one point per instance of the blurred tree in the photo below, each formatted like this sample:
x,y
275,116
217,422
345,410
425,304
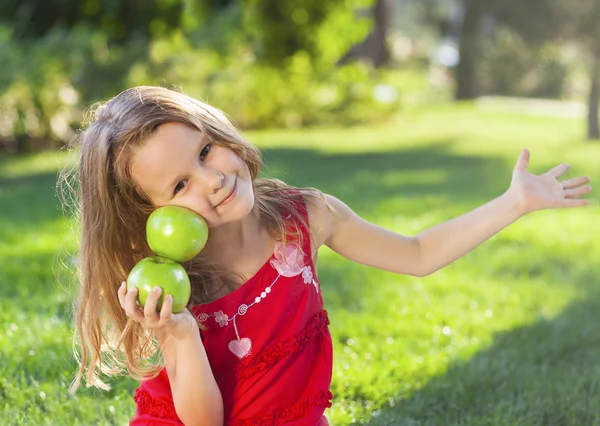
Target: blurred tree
x,y
280,56
280,28
593,121
537,21
467,29
467,83
216,24
65,51
374,47
565,21
120,20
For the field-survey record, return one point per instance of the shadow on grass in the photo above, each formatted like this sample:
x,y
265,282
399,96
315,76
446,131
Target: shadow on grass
x,y
546,373
539,260
365,180
29,200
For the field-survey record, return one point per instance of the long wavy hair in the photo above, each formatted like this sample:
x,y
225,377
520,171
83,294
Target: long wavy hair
x,y
111,212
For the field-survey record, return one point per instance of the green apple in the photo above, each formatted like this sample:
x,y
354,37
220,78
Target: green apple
x,y
176,233
164,273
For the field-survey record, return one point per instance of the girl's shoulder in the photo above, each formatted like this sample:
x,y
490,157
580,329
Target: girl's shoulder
x,y
321,212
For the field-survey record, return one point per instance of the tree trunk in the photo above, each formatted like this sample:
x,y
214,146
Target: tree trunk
x,y
467,86
593,124
374,47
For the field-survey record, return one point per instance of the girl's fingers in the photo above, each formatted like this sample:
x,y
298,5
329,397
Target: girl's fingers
x,y
575,182
121,293
151,304
576,202
131,308
558,170
577,192
167,308
523,160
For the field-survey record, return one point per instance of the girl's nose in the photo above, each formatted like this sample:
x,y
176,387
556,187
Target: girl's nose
x,y
220,181
210,180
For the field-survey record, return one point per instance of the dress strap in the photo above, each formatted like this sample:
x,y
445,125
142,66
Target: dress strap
x,y
299,204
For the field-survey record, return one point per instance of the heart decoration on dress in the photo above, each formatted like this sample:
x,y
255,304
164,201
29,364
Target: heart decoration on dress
x,y
240,348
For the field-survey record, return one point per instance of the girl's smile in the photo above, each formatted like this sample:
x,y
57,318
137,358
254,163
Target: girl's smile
x,y
231,195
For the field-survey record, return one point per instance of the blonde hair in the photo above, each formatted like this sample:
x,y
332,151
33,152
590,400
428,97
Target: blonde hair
x,y
112,213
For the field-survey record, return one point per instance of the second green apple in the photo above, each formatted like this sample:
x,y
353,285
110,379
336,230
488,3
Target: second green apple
x,y
165,273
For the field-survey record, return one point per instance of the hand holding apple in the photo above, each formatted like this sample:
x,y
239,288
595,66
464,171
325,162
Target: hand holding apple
x,y
175,234
163,322
159,271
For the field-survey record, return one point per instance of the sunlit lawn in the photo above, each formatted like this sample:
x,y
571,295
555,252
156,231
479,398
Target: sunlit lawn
x,y
508,335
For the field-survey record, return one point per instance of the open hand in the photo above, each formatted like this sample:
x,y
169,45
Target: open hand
x,y
181,325
545,191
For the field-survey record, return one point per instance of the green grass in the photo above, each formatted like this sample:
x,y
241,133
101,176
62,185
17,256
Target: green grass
x,y
508,335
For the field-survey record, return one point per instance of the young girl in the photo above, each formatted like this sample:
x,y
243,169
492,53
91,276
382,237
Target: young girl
x,y
254,346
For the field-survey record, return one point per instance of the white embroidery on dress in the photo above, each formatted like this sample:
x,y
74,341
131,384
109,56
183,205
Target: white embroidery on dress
x,y
221,318
288,262
307,275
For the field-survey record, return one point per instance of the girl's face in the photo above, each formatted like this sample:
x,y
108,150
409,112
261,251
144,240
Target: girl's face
x,y
179,166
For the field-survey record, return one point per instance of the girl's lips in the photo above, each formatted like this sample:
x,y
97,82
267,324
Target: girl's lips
x,y
231,195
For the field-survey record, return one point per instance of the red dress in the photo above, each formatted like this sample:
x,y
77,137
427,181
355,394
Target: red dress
x,y
268,345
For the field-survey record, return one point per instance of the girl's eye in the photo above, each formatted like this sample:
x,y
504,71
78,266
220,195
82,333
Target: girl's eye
x,y
204,151
180,185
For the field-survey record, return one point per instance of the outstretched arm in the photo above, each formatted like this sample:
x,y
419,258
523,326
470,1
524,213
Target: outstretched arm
x,y
363,242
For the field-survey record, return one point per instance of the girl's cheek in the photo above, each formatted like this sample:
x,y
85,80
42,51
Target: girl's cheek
x,y
202,208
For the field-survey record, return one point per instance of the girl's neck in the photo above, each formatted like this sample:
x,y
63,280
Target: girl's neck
x,y
235,237
241,248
